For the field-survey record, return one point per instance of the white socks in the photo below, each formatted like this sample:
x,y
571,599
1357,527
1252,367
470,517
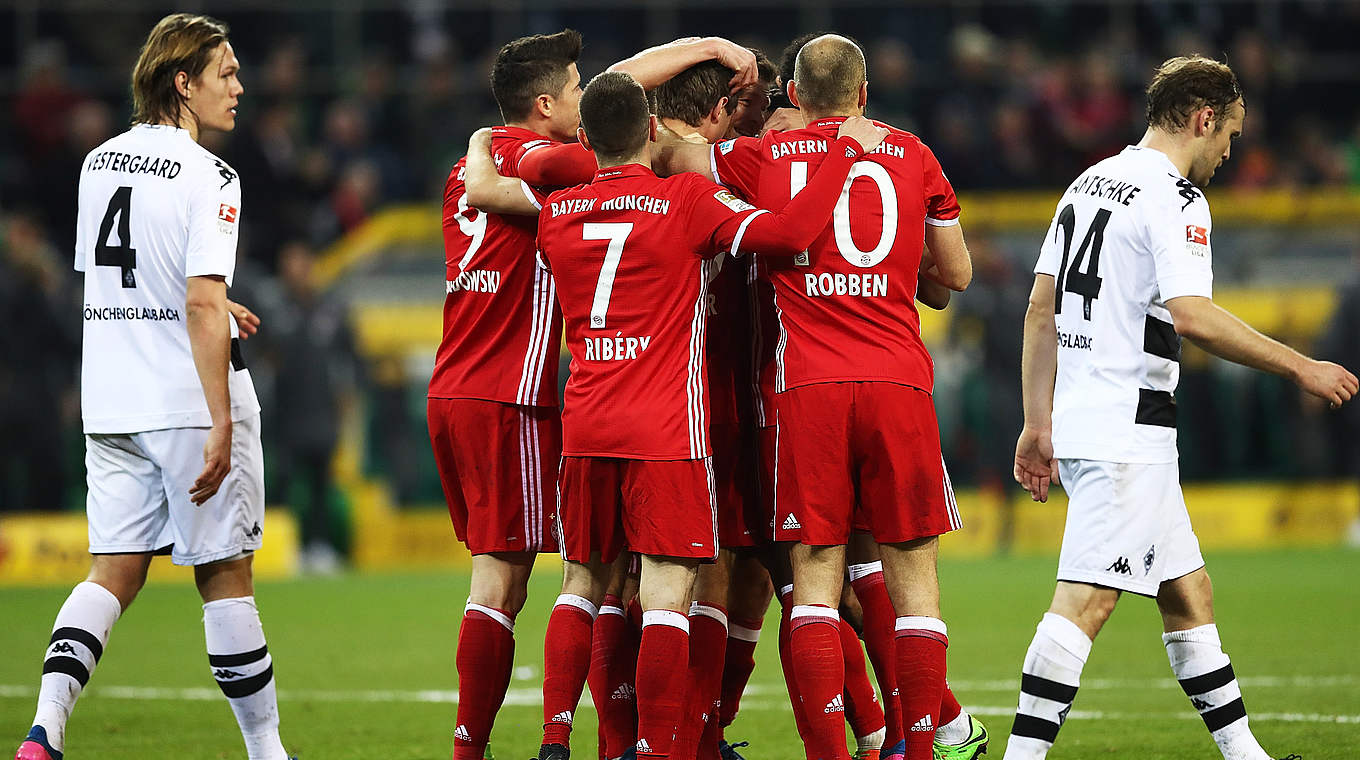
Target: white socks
x,y
241,665
1048,684
1207,678
78,636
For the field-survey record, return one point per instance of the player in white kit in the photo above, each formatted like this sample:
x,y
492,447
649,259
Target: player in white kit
x,y
1124,273
172,436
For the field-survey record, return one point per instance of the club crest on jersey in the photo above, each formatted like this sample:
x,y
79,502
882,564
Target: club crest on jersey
x,y
733,202
1197,240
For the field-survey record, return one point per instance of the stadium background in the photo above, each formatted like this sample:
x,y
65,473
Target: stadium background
x,y
354,111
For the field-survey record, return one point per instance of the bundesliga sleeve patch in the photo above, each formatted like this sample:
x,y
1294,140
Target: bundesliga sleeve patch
x,y
726,146
226,219
1197,240
733,202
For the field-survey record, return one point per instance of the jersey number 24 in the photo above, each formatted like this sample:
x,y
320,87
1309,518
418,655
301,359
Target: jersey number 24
x,y
1085,284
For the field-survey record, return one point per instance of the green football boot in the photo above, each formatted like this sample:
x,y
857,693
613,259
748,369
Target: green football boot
x,y
974,747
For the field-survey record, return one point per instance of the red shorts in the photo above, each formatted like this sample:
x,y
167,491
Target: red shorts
x,y
661,509
735,480
875,441
498,465
766,455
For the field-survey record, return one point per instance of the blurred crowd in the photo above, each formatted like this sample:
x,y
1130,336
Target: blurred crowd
x,y
1012,96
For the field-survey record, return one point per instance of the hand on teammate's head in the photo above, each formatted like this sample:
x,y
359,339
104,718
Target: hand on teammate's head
x,y
784,119
740,60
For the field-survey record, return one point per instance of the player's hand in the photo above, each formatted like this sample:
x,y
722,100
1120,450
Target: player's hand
x,y
1330,382
1035,467
783,120
737,58
862,131
216,464
480,142
246,322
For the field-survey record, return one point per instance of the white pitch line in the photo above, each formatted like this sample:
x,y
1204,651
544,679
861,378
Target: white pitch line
x,y
534,696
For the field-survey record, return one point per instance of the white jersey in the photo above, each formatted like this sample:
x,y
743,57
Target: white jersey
x,y
1130,234
155,208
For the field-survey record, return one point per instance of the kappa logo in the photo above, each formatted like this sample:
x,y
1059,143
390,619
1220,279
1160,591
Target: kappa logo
x,y
1062,714
924,724
461,734
791,523
61,647
1120,566
225,172
643,746
222,674
837,704
624,692
562,717
1188,191
1149,558
1200,704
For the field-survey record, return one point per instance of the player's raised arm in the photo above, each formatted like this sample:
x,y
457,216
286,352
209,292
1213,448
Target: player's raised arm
x,y
489,191
792,229
1222,334
1035,467
655,65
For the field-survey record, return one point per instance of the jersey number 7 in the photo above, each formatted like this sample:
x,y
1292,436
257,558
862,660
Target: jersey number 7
x,y
122,255
1085,284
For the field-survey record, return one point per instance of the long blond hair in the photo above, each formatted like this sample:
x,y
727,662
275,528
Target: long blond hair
x,y
179,42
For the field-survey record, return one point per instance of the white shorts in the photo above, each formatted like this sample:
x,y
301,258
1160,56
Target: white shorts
x,y
139,494
1127,527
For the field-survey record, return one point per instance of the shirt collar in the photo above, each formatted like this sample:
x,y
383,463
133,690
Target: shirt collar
x,y
622,171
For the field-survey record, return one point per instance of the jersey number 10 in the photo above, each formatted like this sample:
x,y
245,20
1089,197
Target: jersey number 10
x,y
840,216
122,255
1085,284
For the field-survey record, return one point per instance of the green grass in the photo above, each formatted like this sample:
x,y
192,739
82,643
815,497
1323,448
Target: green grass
x,y
351,651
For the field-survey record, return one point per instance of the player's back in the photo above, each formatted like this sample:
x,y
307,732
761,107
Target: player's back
x,y
501,323
632,285
154,209
847,308
1128,234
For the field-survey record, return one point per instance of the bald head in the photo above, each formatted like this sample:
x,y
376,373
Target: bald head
x,y
829,75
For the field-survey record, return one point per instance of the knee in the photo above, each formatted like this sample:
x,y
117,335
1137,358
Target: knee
x,y
123,584
1086,606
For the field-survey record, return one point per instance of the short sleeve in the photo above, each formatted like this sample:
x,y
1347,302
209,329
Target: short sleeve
x,y
508,153
1181,254
718,219
942,208
214,218
736,163
1049,254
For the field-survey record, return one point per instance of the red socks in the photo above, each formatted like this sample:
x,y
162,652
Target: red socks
x,y
819,669
920,650
879,622
613,662
566,662
786,662
486,655
707,649
949,706
740,662
660,680
862,710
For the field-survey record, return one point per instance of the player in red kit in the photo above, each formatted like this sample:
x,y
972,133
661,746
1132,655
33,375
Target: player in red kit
x,y
851,368
629,253
492,408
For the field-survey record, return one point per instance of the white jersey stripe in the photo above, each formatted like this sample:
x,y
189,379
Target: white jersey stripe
x,y
525,497
535,354
712,500
779,348
694,387
955,521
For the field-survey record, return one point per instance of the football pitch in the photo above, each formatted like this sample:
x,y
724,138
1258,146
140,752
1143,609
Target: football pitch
x,y
365,667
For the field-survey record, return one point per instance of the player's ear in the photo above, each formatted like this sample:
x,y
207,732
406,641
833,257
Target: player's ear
x,y
1204,121
791,88
581,138
651,128
864,94
544,104
717,113
182,81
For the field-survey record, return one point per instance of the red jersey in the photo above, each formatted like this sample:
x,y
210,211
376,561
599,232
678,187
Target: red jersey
x,y
502,327
729,343
632,257
847,308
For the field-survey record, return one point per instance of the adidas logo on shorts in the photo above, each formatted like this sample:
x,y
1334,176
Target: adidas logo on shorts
x,y
791,522
924,724
562,717
643,746
461,734
837,704
625,691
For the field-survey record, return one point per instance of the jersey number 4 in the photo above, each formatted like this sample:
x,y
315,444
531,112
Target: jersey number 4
x,y
1085,284
123,255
